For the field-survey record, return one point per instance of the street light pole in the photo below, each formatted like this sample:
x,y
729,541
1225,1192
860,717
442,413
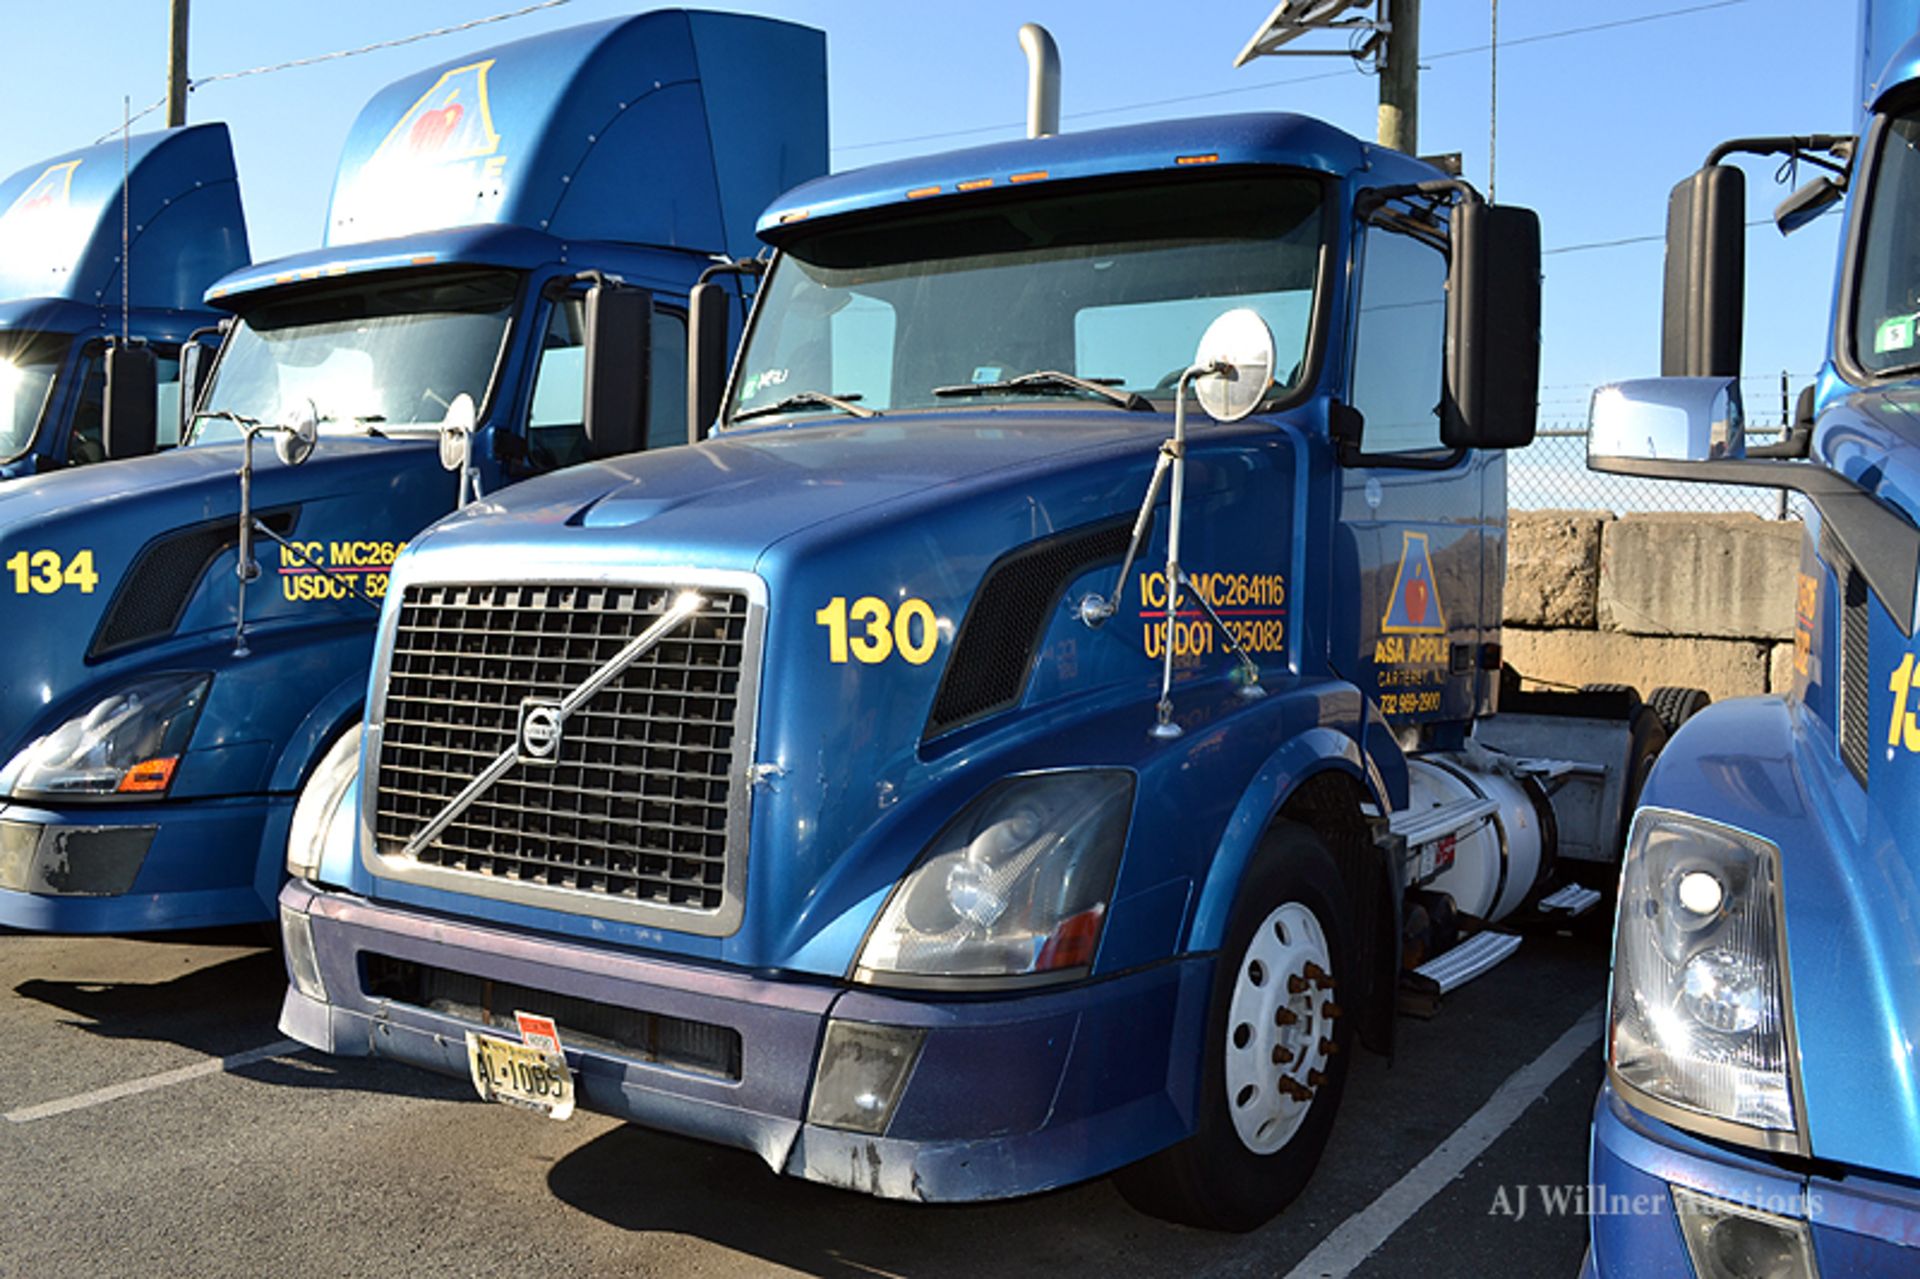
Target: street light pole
x,y
1400,78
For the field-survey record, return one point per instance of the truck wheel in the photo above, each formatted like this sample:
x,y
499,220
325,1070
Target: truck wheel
x,y
1632,693
1276,1047
1675,706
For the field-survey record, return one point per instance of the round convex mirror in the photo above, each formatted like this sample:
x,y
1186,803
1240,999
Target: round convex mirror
x,y
456,432
1241,340
299,428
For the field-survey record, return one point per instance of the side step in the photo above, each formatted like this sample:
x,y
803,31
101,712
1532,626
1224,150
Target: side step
x,y
1571,902
1422,989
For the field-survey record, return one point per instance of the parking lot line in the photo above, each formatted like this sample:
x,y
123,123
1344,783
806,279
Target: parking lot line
x,y
1360,1235
165,1079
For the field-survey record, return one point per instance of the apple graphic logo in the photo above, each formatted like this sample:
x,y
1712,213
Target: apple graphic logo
x,y
1417,600
432,129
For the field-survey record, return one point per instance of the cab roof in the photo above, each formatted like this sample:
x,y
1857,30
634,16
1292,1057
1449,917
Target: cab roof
x,y
1273,139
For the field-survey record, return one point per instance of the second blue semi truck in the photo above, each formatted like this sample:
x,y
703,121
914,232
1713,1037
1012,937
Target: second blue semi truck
x,y
1761,1115
957,777
169,203
510,243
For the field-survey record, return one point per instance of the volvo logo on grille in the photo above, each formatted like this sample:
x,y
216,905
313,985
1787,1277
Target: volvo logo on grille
x,y
539,730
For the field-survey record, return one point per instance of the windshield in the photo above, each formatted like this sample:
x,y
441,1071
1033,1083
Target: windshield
x,y
1113,287
1887,283
28,362
381,357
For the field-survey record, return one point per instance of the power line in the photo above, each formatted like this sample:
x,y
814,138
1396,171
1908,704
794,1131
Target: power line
x,y
1509,43
289,65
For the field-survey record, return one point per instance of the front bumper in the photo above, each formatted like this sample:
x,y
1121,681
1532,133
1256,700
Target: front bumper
x,y
122,868
1862,1224
1009,1095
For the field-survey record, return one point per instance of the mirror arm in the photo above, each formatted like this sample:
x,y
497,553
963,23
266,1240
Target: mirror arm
x,y
1812,148
1881,543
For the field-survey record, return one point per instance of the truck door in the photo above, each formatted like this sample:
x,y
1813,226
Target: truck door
x,y
1412,545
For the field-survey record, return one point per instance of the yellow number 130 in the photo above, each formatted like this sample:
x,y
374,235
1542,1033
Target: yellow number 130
x,y
870,631
1904,730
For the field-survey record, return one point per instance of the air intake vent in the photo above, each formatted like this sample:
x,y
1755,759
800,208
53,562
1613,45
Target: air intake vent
x,y
1856,686
994,653
149,602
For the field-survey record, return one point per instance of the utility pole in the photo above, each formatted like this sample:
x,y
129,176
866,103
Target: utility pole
x,y
1400,78
177,67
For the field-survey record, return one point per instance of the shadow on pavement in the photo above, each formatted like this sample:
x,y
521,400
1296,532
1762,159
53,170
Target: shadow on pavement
x,y
644,1181
218,1009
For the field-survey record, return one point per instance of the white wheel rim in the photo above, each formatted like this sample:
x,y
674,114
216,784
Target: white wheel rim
x,y
1279,1031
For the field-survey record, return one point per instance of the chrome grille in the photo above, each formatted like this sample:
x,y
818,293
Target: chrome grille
x,y
635,807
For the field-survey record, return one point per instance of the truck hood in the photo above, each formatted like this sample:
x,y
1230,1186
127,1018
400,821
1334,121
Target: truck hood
x,y
725,502
146,553
855,772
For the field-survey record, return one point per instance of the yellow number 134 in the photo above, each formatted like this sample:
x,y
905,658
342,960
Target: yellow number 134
x,y
869,631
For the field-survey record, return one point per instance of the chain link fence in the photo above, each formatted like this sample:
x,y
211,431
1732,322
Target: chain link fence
x,y
1552,474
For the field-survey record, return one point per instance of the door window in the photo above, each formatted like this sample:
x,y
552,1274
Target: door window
x,y
1399,344
556,418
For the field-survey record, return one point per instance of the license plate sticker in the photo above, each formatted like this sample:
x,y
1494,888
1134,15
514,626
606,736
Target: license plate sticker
x,y
517,1074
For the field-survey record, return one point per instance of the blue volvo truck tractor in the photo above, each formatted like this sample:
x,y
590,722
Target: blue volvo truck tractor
x,y
70,314
510,245
958,776
1760,1114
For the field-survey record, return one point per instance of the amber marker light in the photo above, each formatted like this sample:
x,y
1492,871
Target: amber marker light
x,y
1211,157
794,215
1033,175
974,184
149,776
921,193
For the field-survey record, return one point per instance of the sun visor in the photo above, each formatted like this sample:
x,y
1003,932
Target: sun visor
x,y
669,128
60,233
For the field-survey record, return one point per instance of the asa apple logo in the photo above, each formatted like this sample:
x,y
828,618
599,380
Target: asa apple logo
x,y
432,129
1417,600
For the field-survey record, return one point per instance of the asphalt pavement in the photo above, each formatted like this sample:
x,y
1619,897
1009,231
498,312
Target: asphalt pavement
x,y
154,1123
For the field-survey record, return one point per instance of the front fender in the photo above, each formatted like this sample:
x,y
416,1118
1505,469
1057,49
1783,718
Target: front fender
x,y
1314,751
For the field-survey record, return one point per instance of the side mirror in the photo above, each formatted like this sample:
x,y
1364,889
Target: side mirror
x,y
1668,419
130,418
1493,328
456,434
1807,203
1705,288
707,357
619,366
1240,345
297,431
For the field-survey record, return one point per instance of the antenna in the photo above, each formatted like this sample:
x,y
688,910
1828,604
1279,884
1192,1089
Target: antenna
x,y
126,217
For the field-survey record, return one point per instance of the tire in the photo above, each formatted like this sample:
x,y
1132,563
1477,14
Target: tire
x,y
1675,706
1263,1124
1632,692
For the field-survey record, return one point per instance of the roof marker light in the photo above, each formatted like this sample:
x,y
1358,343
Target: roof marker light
x,y
794,215
424,259
922,192
973,184
1211,157
1032,175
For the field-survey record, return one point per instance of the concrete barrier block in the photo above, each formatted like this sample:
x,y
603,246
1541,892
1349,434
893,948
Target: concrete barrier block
x,y
1780,668
1724,668
1721,576
1553,567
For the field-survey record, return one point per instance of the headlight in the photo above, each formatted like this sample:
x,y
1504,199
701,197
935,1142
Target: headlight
x,y
1016,885
322,819
1699,1018
127,744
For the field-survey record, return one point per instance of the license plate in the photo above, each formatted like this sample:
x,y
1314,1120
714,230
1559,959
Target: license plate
x,y
516,1075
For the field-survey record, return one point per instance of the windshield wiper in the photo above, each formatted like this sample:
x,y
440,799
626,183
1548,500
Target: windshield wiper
x,y
365,421
809,400
1049,381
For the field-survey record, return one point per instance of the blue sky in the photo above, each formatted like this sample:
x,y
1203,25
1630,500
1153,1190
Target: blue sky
x,y
1593,127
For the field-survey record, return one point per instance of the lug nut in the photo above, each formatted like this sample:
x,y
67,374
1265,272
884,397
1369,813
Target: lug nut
x,y
1315,1078
1328,1047
1297,985
1281,1055
1291,1088
1285,1017
1330,1010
